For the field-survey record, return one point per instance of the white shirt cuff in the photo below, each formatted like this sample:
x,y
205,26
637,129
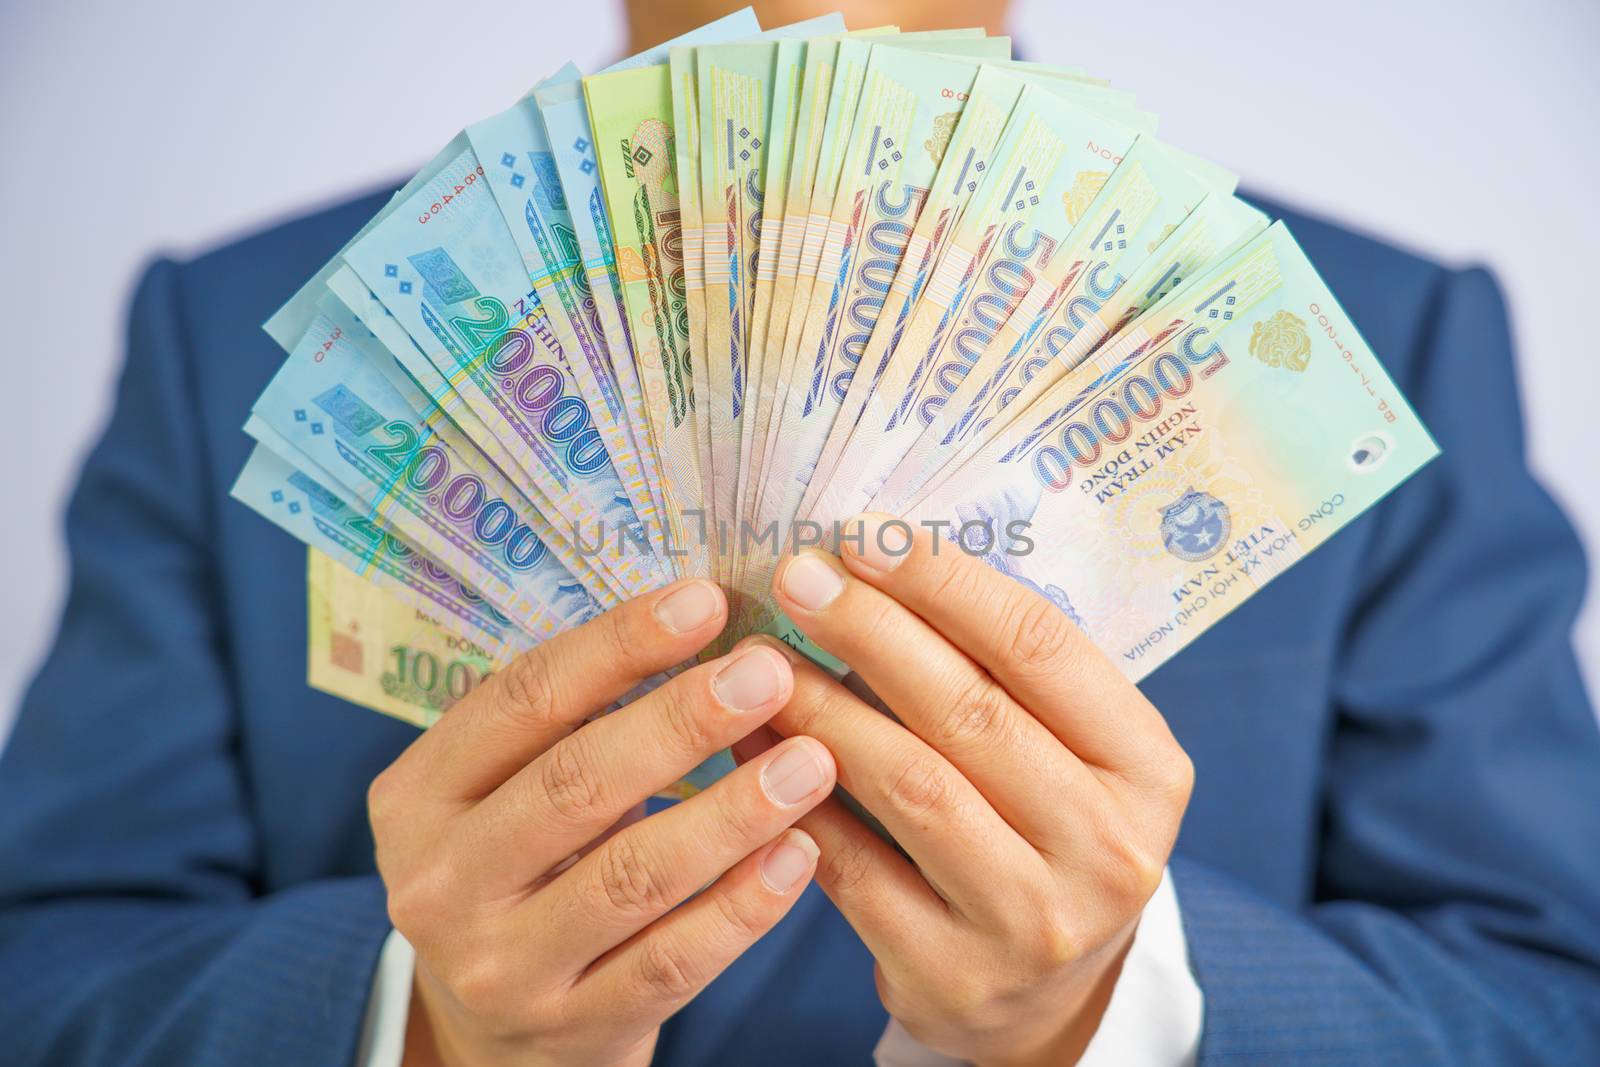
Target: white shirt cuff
x,y
383,1032
1155,1015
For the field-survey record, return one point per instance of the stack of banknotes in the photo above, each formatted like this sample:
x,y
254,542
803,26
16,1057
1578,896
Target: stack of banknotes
x,y
696,310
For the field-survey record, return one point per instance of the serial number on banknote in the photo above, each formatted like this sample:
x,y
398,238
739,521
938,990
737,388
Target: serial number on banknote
x,y
461,187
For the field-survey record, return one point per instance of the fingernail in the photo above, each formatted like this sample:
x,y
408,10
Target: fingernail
x,y
794,775
790,860
750,681
884,541
811,583
688,608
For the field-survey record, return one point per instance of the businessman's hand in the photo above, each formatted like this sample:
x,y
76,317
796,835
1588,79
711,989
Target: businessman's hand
x,y
1035,790
542,908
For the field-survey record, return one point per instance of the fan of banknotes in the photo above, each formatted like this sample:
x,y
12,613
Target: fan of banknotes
x,y
686,314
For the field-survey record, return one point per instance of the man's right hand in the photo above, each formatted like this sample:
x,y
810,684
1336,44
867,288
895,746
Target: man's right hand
x,y
544,912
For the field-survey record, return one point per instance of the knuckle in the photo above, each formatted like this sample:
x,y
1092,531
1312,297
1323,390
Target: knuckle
x,y
383,798
812,702
627,879
845,867
965,1001
1134,870
1037,925
1056,942
978,717
889,992
1176,780
742,820
908,1004
480,982
405,909
920,791
1041,637
684,708
568,786
948,581
622,634
666,972
528,691
872,613
1145,871
419,899
741,916
819,706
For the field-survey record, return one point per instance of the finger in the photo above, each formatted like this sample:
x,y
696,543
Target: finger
x,y
635,814
547,692
946,826
1021,638
648,869
558,803
668,963
934,689
874,887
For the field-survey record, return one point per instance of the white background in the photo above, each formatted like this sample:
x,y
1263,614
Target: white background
x,y
1466,131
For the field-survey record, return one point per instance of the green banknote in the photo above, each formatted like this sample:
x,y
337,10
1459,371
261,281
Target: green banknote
x,y
966,152
683,68
735,96
1049,165
804,146
722,96
910,102
575,153
788,70
849,59
632,114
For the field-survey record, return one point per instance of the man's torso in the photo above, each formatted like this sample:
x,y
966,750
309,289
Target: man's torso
x,y
1250,700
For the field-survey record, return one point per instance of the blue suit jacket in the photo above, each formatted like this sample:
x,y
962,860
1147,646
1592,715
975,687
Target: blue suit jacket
x,y
1393,852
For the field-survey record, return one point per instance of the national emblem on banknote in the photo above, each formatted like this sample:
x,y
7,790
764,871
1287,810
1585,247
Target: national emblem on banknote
x,y
1195,527
944,128
1084,189
1282,341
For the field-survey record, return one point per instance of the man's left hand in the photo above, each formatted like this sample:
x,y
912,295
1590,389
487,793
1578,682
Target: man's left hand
x,y
1035,790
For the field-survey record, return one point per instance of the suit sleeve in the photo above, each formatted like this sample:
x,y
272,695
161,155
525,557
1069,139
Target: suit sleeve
x,y
1456,917
134,924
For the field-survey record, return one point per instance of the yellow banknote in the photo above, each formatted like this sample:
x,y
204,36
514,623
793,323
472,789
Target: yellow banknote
x,y
1150,501
366,645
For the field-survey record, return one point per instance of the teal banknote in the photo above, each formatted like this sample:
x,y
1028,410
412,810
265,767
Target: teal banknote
x,y
332,405
520,169
294,501
446,267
